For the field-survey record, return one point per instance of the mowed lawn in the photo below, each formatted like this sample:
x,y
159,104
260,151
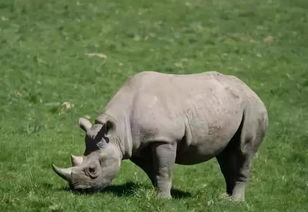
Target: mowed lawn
x,y
60,60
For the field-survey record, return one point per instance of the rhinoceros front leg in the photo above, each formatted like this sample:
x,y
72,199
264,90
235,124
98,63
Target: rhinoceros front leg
x,y
163,160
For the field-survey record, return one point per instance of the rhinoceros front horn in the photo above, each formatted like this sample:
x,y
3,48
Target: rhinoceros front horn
x,y
65,173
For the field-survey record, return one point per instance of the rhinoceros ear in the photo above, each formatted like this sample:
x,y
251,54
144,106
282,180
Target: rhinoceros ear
x,y
85,124
108,127
103,135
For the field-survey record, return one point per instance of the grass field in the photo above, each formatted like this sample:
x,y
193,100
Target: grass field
x,y
49,77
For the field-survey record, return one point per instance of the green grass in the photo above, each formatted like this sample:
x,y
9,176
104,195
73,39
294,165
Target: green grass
x,y
44,63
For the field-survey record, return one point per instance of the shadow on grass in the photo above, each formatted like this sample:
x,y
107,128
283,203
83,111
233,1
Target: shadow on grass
x,y
178,194
127,189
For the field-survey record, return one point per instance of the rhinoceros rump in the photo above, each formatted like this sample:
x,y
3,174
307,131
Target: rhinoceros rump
x,y
157,120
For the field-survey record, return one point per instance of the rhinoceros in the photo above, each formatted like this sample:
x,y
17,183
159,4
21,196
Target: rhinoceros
x,y
157,120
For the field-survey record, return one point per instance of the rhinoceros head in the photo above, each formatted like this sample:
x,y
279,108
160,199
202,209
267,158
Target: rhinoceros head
x,y
100,163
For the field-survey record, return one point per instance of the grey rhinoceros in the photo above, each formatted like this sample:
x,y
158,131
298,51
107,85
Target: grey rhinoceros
x,y
157,120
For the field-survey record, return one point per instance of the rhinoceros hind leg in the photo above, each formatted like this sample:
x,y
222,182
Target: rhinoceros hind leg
x,y
235,161
235,168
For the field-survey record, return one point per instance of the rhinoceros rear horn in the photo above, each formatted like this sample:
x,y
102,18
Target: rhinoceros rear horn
x,y
85,124
64,173
76,160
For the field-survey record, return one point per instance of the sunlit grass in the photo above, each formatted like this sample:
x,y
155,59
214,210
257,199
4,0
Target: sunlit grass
x,y
50,77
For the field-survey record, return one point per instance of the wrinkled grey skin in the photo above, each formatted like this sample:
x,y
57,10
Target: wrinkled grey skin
x,y
157,120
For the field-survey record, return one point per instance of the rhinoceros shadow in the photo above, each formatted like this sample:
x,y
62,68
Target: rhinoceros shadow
x,y
126,189
129,189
